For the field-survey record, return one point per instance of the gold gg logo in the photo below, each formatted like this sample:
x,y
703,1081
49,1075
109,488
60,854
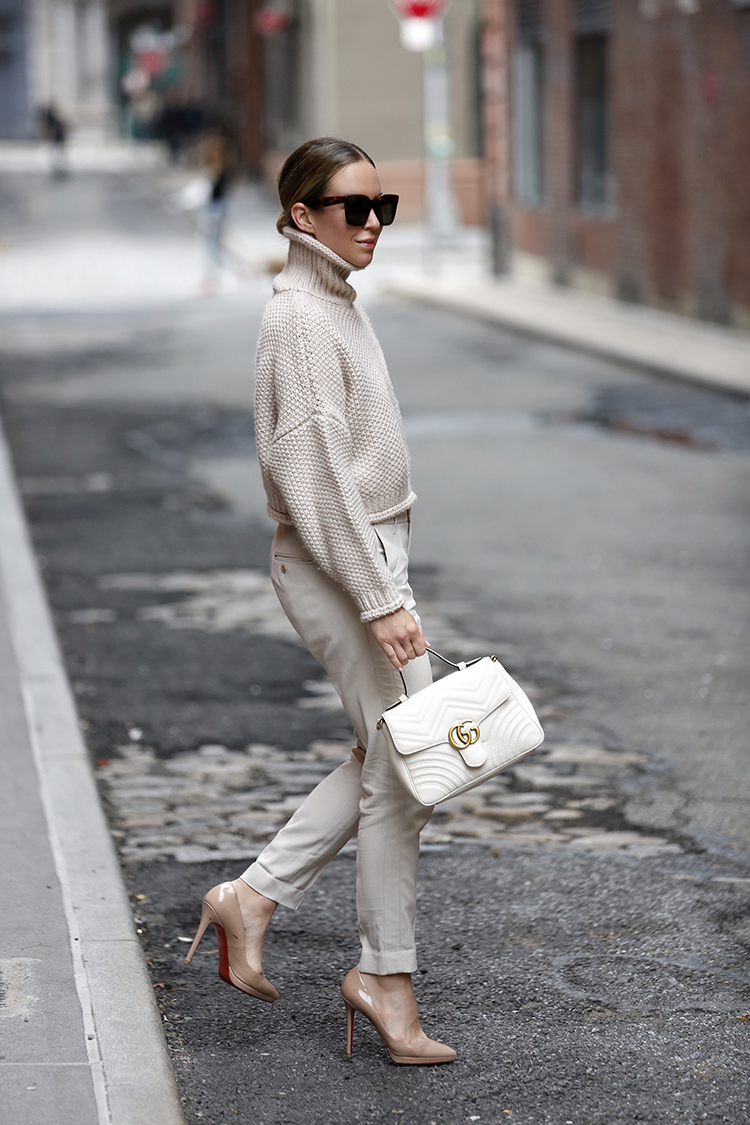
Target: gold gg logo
x,y
463,734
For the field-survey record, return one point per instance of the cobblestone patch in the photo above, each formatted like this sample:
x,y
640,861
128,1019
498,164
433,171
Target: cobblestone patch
x,y
219,803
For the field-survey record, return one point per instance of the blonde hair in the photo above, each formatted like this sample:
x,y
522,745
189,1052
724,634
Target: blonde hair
x,y
306,173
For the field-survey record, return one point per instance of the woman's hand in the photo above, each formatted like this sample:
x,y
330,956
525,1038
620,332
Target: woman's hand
x,y
399,636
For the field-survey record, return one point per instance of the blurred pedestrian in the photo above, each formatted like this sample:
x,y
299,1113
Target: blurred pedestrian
x,y
55,130
217,158
336,472
176,124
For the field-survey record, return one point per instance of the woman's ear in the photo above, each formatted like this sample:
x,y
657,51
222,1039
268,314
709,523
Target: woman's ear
x,y
303,218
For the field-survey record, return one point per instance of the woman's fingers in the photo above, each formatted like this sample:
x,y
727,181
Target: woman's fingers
x,y
400,637
400,656
414,643
410,648
397,661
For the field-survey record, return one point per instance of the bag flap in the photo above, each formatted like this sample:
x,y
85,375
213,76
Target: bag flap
x,y
450,710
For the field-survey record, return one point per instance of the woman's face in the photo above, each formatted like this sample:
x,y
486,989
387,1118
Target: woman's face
x,y
354,244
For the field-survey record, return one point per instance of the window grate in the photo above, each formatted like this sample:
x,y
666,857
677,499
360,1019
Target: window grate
x,y
592,121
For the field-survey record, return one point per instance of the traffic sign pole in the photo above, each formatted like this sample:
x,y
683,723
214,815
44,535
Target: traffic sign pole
x,y
439,147
422,31
496,83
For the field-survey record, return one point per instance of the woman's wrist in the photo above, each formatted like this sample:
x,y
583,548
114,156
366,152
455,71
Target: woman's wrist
x,y
370,613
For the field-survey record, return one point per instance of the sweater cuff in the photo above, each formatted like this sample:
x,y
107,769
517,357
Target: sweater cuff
x,y
372,612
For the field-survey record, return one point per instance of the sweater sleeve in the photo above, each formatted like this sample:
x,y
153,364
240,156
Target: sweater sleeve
x,y
310,461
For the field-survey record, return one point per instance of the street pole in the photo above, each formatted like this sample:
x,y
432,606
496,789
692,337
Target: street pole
x,y
422,30
438,144
496,86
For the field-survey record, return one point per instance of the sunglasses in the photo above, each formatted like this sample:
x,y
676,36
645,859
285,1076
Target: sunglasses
x,y
357,208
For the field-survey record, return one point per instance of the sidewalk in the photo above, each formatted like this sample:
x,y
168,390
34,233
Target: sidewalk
x,y
644,337
83,155
81,1039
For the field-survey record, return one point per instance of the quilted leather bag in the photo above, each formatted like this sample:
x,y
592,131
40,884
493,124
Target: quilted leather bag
x,y
461,730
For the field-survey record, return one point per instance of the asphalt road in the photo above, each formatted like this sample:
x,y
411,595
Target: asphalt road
x,y
584,928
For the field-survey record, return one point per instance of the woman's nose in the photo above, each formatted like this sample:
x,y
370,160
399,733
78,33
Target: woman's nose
x,y
372,221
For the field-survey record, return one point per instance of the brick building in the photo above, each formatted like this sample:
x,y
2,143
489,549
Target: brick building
x,y
629,157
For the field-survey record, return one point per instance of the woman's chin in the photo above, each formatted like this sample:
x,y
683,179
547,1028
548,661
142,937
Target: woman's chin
x,y
361,256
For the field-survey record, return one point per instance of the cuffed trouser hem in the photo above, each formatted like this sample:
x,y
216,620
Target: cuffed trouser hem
x,y
265,884
383,964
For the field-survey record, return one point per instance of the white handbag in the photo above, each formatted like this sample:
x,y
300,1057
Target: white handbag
x,y
461,730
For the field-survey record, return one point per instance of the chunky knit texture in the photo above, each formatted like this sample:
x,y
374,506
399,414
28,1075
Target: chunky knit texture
x,y
330,441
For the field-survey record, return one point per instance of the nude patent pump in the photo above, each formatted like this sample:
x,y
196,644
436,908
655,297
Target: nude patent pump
x,y
425,1052
221,908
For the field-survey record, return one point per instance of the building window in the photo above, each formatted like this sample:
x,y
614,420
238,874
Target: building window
x,y
528,105
6,38
592,121
282,64
528,123
14,106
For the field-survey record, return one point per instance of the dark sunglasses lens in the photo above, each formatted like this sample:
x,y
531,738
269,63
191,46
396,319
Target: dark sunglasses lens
x,y
356,210
388,205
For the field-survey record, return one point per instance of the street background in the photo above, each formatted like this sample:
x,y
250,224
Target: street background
x,y
584,921
564,304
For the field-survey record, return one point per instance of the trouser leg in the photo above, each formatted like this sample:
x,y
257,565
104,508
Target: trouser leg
x,y
388,838
320,827
390,820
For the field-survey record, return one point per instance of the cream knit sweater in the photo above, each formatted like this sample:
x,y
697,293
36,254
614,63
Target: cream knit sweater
x,y
330,440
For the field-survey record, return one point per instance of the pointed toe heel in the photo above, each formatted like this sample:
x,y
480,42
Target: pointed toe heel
x,y
425,1052
221,909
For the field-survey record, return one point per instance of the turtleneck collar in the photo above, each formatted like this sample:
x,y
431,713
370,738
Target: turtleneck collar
x,y
314,268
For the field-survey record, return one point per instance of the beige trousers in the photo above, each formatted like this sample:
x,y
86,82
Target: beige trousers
x,y
363,795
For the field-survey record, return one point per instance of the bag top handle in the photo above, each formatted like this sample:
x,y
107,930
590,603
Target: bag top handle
x,y
459,668
434,652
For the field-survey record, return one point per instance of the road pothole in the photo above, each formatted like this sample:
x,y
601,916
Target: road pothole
x,y
635,983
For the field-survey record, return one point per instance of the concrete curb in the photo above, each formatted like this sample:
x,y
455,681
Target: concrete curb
x,y
655,341
130,1067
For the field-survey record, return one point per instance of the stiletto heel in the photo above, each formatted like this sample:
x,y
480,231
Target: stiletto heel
x,y
425,1052
204,924
349,1029
221,909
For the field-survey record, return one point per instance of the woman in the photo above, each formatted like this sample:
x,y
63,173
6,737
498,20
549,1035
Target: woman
x,y
218,164
336,472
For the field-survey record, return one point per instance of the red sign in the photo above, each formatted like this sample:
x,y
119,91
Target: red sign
x,y
270,21
153,62
420,9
